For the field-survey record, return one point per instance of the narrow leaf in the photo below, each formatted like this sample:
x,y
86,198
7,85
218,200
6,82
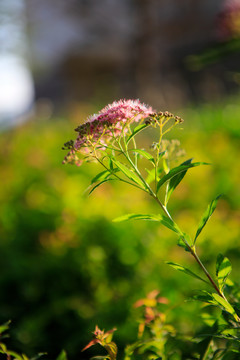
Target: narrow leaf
x,y
145,154
136,130
225,305
185,270
138,217
110,164
130,174
206,297
4,327
101,176
96,186
176,180
210,209
162,219
177,170
223,269
62,355
151,174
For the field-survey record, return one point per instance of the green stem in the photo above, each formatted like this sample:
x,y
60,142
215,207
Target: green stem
x,y
120,179
192,251
214,285
158,150
126,154
134,145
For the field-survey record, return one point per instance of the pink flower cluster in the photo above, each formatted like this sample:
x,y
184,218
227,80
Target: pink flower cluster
x,y
123,110
110,121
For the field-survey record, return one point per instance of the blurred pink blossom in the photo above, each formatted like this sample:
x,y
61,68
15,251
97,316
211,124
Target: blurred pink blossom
x,y
228,20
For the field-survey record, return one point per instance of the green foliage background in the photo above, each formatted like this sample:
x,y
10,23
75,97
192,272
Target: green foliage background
x,y
65,266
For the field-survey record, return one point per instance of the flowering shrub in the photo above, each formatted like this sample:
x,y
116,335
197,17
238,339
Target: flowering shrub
x,y
110,138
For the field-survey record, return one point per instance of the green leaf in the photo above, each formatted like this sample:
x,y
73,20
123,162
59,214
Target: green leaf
x,y
101,176
96,186
223,269
136,130
151,174
221,301
145,154
177,170
138,217
206,297
130,174
185,270
162,219
4,327
206,216
16,355
36,357
160,155
110,164
175,180
62,355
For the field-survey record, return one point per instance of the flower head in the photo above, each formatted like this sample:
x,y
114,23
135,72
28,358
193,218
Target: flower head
x,y
125,111
109,123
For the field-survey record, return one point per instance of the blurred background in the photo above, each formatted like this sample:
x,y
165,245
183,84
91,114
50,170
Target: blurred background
x,y
64,266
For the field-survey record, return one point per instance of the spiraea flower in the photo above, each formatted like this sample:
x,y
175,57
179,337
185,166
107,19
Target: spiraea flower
x,y
102,127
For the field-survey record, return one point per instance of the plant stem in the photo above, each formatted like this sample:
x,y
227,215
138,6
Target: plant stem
x,y
192,251
194,254
120,179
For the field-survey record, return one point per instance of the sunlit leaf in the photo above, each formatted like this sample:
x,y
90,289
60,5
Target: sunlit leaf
x,y
185,270
62,355
3,348
175,180
136,130
110,164
223,269
177,170
97,185
206,216
145,154
221,301
101,176
206,297
17,356
130,174
138,217
151,174
162,219
4,327
208,319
